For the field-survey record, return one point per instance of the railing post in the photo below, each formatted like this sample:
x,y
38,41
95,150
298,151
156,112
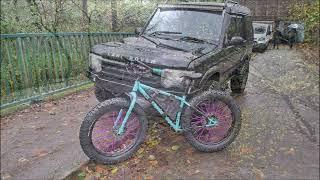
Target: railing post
x,y
23,66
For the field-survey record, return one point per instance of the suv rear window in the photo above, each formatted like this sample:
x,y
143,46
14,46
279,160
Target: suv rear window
x,y
199,24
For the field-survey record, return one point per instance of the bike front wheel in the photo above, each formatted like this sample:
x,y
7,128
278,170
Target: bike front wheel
x,y
208,137
98,132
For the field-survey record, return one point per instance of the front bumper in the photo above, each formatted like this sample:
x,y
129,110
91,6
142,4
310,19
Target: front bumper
x,y
259,46
120,84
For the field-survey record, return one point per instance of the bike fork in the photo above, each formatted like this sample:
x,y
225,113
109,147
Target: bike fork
x,y
133,97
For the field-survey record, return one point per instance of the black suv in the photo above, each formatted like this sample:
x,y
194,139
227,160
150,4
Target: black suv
x,y
214,39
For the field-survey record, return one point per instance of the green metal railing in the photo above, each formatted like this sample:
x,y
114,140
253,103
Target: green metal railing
x,y
34,65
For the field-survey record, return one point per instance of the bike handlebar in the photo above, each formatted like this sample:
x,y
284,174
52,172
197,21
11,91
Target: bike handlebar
x,y
132,68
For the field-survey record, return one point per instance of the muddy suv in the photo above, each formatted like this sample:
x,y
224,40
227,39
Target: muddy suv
x,y
214,39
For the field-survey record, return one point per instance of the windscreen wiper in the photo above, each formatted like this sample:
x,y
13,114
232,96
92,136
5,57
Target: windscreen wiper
x,y
147,38
195,40
171,47
163,32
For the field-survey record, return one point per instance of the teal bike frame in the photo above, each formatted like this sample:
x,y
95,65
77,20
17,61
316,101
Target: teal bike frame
x,y
142,88
138,87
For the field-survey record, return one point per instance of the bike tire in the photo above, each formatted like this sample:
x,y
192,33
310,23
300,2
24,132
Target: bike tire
x,y
101,111
191,133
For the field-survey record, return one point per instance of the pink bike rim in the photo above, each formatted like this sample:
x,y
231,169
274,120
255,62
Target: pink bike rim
x,y
104,137
217,133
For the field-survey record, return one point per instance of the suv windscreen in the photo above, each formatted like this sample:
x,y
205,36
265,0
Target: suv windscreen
x,y
183,22
260,29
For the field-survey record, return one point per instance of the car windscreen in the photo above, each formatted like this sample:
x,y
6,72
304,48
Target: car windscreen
x,y
198,24
259,29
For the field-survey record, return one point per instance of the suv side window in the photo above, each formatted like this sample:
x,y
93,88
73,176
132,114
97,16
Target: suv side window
x,y
236,28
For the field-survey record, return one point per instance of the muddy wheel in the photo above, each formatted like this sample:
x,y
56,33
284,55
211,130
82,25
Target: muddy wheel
x,y
218,136
99,139
239,81
102,94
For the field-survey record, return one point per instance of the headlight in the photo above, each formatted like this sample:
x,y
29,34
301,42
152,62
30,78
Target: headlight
x,y
174,78
95,62
262,39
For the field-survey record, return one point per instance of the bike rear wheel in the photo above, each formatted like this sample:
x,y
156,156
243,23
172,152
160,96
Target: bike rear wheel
x,y
99,139
210,138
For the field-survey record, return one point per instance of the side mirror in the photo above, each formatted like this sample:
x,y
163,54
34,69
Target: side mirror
x,y
237,40
138,30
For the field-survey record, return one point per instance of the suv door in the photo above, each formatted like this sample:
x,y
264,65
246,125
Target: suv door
x,y
248,31
235,53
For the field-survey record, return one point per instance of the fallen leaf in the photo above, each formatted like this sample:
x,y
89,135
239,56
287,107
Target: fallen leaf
x,y
39,152
23,159
82,174
152,143
151,157
114,170
245,150
148,177
258,172
189,151
197,171
140,151
290,152
175,147
153,163
101,169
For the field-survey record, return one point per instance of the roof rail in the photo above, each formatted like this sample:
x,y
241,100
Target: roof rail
x,y
166,2
229,1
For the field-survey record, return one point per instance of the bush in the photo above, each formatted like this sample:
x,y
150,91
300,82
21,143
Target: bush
x,y
310,15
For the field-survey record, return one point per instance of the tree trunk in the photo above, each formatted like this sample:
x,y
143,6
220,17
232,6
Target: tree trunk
x,y
16,10
114,23
85,15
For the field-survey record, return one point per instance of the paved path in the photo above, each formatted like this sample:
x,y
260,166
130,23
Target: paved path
x,y
279,136
42,142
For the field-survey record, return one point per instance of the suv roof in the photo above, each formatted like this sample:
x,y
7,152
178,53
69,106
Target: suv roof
x,y
232,8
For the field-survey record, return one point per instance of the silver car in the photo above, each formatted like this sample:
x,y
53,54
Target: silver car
x,y
262,36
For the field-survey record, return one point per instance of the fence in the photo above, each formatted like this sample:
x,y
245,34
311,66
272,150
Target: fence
x,y
34,65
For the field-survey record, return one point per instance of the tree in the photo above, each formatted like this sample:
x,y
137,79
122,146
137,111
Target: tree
x,y
85,13
114,22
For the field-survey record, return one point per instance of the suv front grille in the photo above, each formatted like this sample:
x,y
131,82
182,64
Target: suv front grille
x,y
116,71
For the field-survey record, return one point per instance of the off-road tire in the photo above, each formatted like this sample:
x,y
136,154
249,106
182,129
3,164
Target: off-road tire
x,y
239,81
94,115
236,113
215,85
102,94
